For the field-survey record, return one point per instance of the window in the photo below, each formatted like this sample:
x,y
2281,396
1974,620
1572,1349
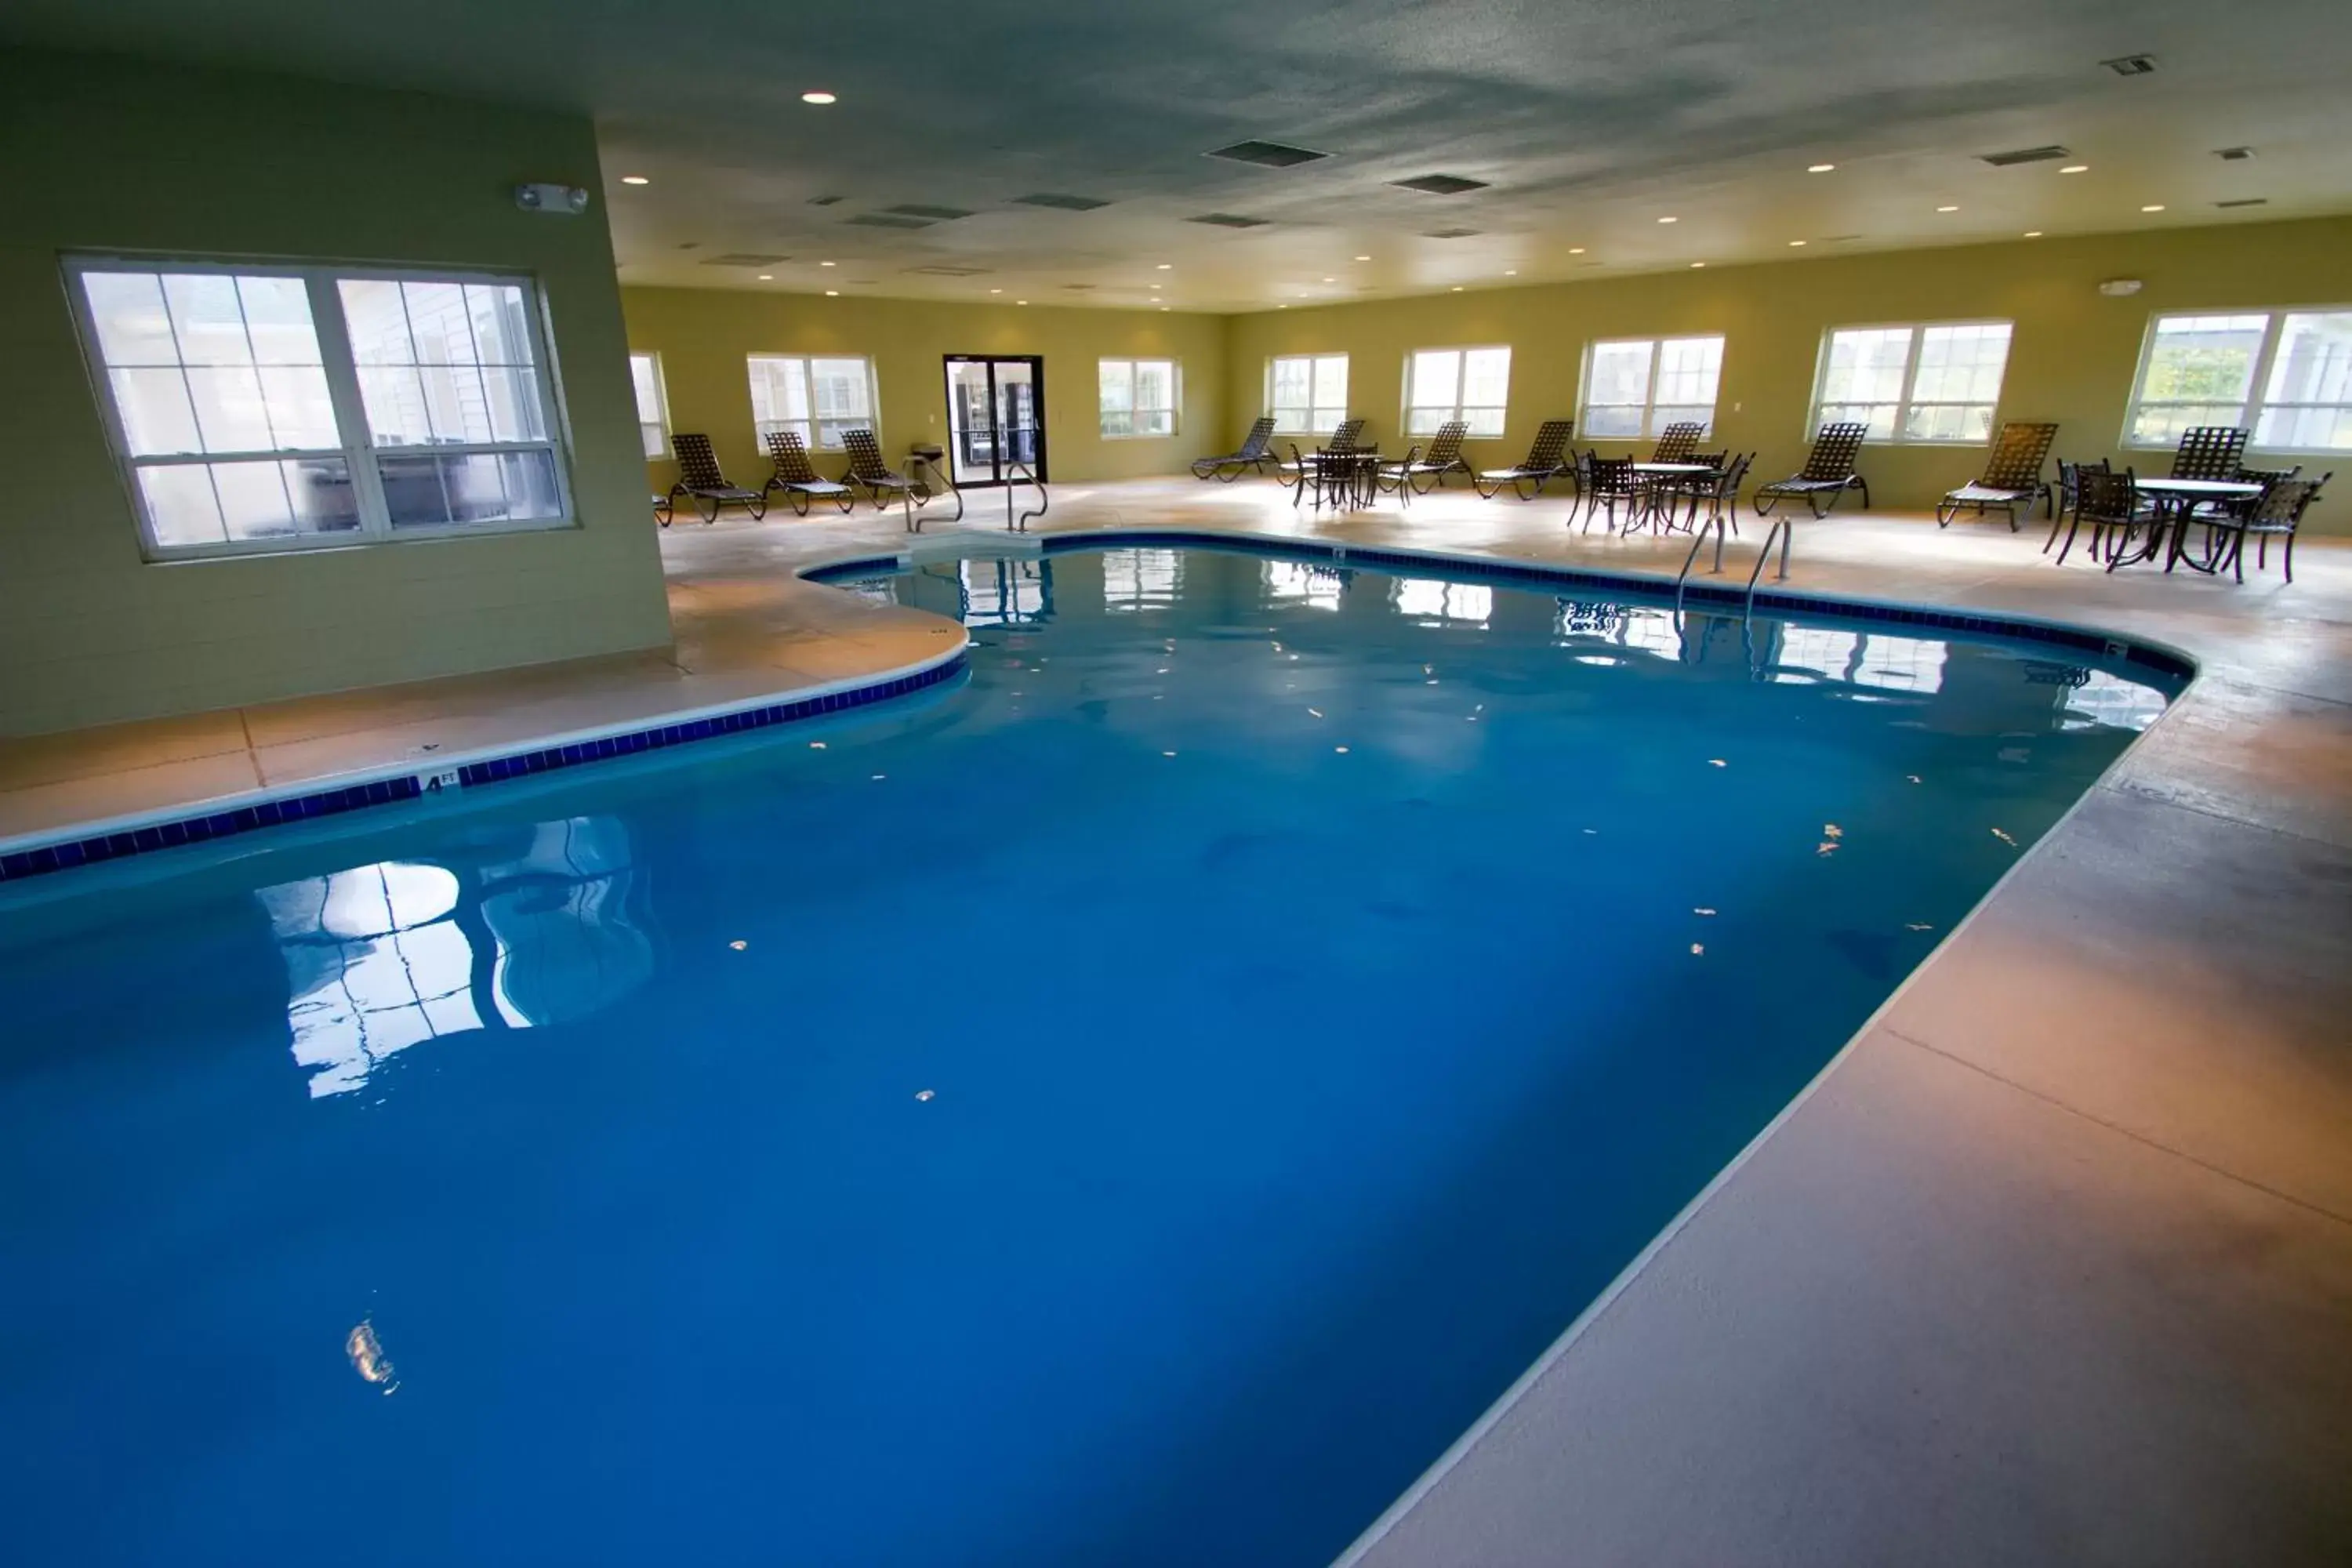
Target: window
x,y
1470,384
792,393
653,404
1139,396
1306,393
1914,384
269,408
2202,370
1635,387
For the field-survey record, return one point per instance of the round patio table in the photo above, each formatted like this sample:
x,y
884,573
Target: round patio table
x,y
2175,500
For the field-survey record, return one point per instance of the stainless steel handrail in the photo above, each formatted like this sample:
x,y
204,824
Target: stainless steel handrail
x,y
1045,500
1690,560
1784,530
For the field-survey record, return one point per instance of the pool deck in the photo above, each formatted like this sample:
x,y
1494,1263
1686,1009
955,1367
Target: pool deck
x,y
2053,1264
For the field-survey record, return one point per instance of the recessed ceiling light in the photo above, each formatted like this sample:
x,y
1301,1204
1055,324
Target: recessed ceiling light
x,y
1575,250
1163,307
825,264
1670,220
2075,169
1458,288
1155,287
817,95
833,293
1282,307
2033,234
1698,263
767,278
1510,272
1363,258
1796,242
1947,209
2153,207
1166,265
1019,301
1819,168
635,180
1331,280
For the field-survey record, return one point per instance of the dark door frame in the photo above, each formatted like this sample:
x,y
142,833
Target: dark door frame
x,y
1036,364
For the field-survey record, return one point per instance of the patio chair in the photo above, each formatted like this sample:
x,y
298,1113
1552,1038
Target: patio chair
x,y
2110,503
2276,515
1546,460
1828,471
797,479
1443,457
698,479
2209,452
2064,497
1687,491
2013,474
1678,441
868,472
1720,491
1613,482
1341,442
1255,452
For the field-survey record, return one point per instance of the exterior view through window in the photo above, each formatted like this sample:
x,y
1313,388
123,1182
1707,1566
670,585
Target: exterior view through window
x,y
1635,387
1139,396
815,397
1936,383
2205,370
653,404
1470,384
1306,393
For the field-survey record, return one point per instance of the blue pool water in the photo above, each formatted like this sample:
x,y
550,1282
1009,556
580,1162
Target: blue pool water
x,y
1136,1106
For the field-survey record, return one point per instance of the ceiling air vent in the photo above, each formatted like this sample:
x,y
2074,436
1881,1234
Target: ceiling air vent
x,y
742,258
1839,239
2246,202
823,201
2131,65
1067,204
935,215
1440,184
1266,154
888,220
1228,220
942,270
2026,155
1449,234
2234,154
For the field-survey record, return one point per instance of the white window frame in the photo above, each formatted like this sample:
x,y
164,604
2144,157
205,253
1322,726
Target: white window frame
x,y
1314,406
816,440
358,446
658,425
1454,410
1175,392
1903,404
1651,429
2250,417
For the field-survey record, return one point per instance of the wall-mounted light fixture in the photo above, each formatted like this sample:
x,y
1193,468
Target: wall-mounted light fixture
x,y
2118,288
568,200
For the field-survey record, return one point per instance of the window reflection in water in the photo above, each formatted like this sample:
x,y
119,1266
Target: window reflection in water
x,y
381,957
991,593
1297,583
2108,700
1432,602
1901,664
1142,579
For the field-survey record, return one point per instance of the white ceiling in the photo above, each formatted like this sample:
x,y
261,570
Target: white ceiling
x,y
1590,121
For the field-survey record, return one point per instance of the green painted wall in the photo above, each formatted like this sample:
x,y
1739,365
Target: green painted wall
x,y
2072,358
703,335
114,156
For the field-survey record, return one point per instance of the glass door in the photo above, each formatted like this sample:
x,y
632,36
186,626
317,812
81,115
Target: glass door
x,y
996,416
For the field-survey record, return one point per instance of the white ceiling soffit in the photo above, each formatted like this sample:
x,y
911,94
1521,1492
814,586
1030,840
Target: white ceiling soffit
x,y
1585,123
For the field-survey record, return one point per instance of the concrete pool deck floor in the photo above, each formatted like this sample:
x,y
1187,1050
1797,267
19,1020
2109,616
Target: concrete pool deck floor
x,y
2054,1263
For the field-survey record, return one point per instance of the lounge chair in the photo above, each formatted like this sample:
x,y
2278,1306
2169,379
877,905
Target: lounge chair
x,y
1678,441
1828,471
2209,452
2012,475
1255,452
699,478
1546,460
868,472
1343,441
1443,457
797,479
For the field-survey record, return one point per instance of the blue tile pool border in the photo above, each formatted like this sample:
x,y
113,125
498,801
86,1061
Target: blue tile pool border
x,y
204,826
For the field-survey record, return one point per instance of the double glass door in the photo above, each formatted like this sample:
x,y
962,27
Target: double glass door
x,y
996,416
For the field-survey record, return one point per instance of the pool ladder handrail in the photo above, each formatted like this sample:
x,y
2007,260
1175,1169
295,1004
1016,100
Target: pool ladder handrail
x,y
911,507
1780,531
1020,523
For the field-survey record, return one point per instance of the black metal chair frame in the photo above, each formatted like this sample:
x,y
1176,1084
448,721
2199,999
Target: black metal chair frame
x,y
1424,472
1677,441
868,472
1255,453
699,478
1611,480
2110,503
1830,470
2278,514
1546,459
2209,452
1344,440
1345,477
2065,494
799,481
2013,474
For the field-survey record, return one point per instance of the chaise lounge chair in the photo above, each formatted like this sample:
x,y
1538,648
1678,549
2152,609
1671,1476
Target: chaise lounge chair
x,y
1342,442
797,479
1546,460
1828,472
868,472
1255,452
1678,441
1443,458
699,479
2012,475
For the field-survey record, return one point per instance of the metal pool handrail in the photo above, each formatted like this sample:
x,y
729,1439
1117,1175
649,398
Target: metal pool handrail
x,y
1020,523
1698,539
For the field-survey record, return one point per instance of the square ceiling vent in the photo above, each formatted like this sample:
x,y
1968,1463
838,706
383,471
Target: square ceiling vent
x,y
742,258
2131,65
1064,203
1227,220
2026,155
1450,234
2246,202
1440,184
823,201
888,220
940,269
935,214
1267,154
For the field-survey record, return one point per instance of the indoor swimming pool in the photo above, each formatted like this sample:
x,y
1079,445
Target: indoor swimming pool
x,y
1136,1104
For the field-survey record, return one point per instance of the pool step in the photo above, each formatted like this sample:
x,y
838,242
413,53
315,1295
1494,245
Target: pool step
x,y
969,543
